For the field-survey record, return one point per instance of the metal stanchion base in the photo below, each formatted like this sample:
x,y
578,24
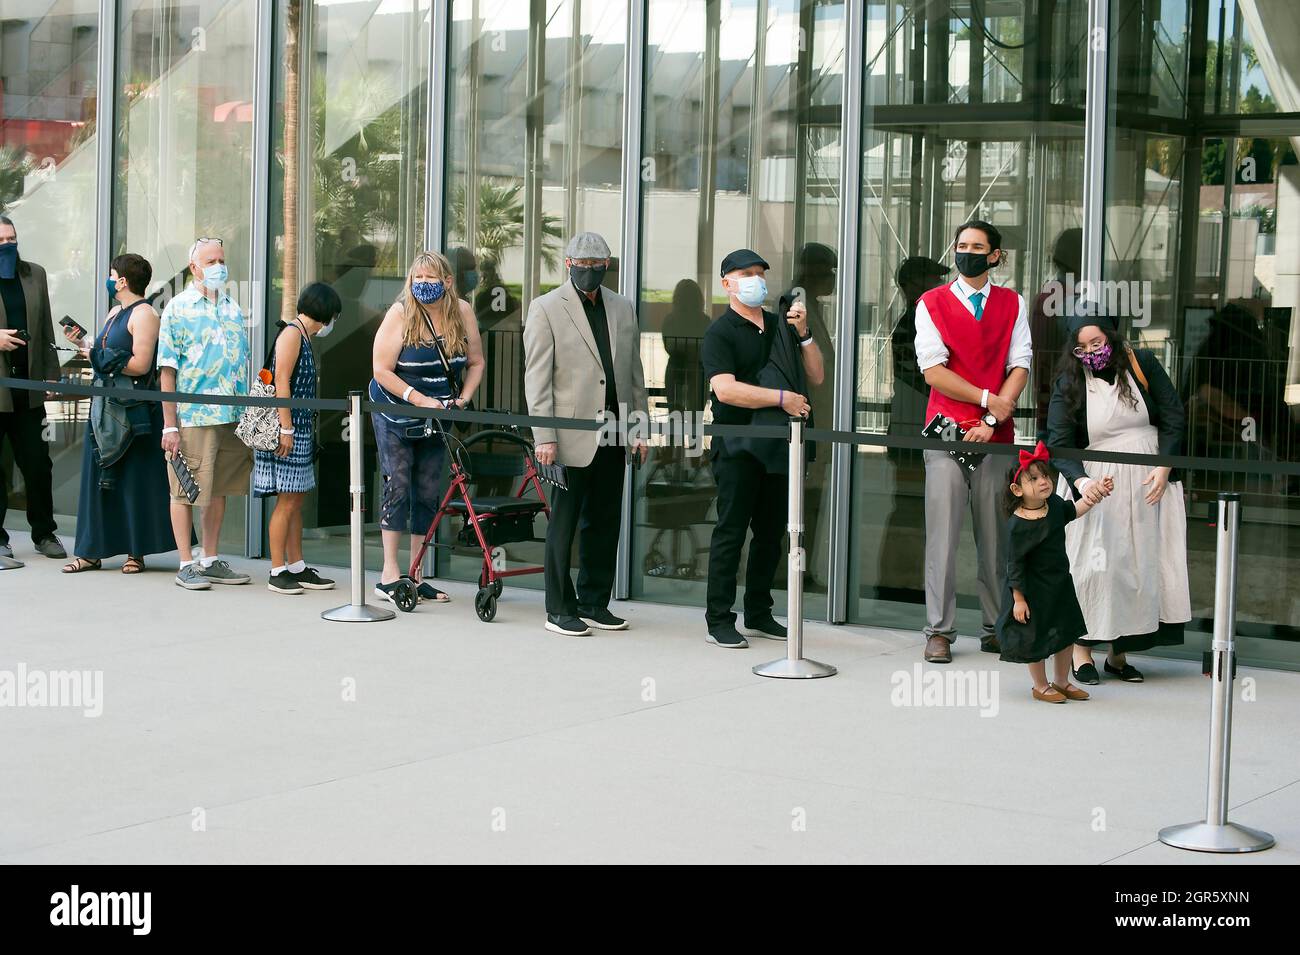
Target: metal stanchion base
x,y
1205,837
8,563
787,669
350,613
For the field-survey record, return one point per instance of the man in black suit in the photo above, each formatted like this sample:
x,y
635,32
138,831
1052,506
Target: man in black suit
x,y
26,351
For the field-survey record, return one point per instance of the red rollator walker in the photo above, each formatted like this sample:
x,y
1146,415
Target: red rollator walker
x,y
491,459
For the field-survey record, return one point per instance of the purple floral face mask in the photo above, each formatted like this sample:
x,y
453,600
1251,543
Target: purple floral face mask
x,y
1096,360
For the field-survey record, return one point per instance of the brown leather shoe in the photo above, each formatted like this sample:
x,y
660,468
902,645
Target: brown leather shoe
x,y
937,649
989,644
1071,691
1050,695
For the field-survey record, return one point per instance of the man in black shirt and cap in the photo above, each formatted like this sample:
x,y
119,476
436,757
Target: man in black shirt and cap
x,y
752,360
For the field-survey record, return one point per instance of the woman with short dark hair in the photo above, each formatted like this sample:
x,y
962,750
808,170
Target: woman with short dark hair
x,y
288,472
123,506
1129,558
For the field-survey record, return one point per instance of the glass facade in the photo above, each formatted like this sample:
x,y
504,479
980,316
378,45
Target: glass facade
x,y
842,141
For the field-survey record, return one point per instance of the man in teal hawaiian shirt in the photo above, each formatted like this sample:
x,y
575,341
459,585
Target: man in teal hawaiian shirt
x,y
203,349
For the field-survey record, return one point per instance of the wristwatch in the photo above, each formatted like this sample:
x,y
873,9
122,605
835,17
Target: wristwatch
x,y
989,419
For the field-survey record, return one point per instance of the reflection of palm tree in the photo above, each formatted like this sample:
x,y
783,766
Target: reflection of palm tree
x,y
501,222
289,261
15,164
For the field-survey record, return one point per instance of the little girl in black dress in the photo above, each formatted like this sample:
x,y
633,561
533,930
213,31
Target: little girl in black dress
x,y
1040,612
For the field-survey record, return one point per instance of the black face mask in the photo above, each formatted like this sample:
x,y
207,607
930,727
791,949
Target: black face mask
x,y
971,264
587,279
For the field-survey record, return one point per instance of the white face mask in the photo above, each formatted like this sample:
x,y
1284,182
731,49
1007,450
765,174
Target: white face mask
x,y
327,328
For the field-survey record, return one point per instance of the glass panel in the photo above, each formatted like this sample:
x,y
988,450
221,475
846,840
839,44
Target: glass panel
x,y
928,165
742,150
184,147
1216,265
534,155
347,205
47,185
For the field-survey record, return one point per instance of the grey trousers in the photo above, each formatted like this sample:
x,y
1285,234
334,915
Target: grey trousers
x,y
948,494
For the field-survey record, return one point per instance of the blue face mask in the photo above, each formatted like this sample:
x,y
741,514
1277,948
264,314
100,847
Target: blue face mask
x,y
214,276
751,290
111,284
427,292
8,260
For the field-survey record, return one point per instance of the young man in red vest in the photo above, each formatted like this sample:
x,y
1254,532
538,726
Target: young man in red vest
x,y
973,345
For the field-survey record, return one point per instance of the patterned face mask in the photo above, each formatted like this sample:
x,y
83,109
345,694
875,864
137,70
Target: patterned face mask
x,y
1096,360
427,292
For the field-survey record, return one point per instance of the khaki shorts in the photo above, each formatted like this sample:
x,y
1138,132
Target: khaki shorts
x,y
220,462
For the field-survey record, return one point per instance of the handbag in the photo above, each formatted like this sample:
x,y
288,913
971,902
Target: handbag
x,y
259,425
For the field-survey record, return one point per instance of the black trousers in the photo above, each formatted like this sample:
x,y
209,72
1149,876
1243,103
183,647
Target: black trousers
x,y
22,429
589,509
749,498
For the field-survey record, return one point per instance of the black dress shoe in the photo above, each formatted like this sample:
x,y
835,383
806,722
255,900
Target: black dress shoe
x,y
768,628
1128,673
1086,674
989,644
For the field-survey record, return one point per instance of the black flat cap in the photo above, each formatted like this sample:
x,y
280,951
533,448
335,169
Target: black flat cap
x,y
742,259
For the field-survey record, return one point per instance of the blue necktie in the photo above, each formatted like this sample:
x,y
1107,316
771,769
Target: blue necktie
x,y
978,301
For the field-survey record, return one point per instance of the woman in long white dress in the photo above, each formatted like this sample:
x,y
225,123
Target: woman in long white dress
x,y
1128,558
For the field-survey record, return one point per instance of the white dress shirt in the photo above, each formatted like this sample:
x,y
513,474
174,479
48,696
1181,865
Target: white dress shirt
x,y
930,347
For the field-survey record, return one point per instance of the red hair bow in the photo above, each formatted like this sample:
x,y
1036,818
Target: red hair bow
x,y
1026,458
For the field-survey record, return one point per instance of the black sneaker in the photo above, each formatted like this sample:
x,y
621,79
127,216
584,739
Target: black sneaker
x,y
283,583
308,578
768,628
727,636
567,625
601,618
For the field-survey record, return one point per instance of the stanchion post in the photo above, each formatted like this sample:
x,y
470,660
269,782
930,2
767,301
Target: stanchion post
x,y
1216,834
357,611
793,666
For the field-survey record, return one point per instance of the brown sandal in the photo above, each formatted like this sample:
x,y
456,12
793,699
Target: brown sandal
x,y
133,565
79,565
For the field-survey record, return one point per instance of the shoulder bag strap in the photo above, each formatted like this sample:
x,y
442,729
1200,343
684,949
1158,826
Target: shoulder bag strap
x,y
446,365
1137,369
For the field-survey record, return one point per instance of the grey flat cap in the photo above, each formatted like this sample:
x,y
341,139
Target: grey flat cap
x,y
587,245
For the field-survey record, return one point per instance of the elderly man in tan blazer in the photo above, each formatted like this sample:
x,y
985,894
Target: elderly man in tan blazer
x,y
582,358
27,351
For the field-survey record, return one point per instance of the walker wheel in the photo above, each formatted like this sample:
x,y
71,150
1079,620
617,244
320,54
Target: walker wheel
x,y
406,596
497,587
485,604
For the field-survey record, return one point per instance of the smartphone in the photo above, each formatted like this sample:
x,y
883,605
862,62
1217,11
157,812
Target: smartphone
x,y
67,321
22,335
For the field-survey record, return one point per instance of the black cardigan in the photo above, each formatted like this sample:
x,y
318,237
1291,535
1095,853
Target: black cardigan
x,y
1164,407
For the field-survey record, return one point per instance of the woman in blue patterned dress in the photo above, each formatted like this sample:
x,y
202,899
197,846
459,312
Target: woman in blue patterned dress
x,y
289,472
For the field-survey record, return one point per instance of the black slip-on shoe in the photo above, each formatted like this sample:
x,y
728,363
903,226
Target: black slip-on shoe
x,y
601,618
1086,674
727,637
768,628
567,625
1128,673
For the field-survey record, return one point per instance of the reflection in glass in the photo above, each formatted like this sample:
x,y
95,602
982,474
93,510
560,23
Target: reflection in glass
x,y
741,150
347,202
47,183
